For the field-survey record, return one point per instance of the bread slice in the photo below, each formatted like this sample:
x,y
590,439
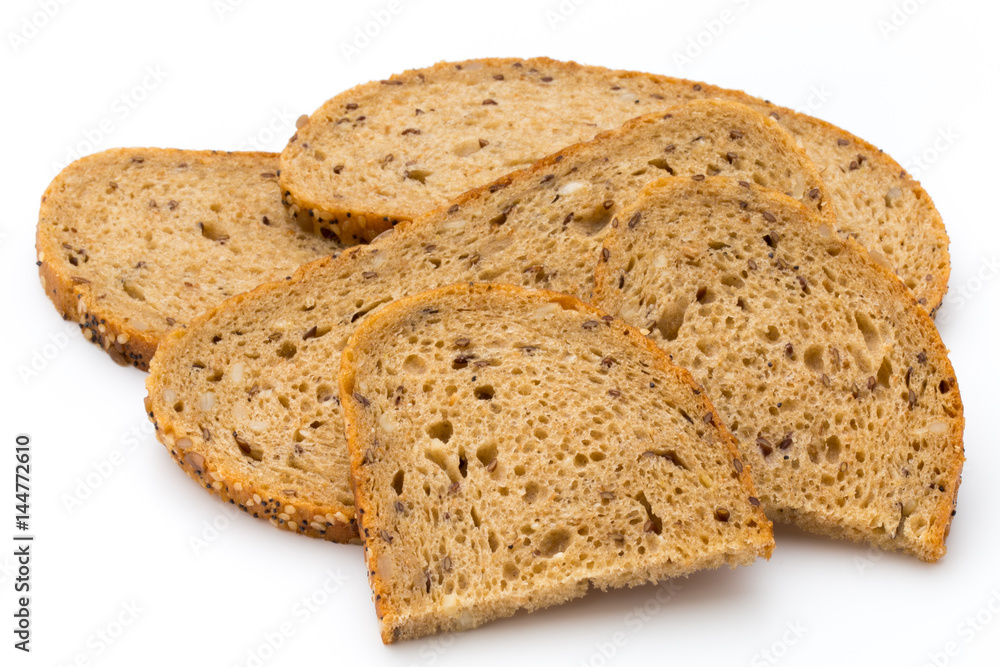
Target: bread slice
x,y
835,382
133,242
244,399
511,448
391,150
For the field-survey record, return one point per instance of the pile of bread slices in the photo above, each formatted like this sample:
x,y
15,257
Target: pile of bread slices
x,y
525,326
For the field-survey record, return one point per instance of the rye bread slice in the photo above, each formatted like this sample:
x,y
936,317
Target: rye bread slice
x,y
244,399
391,150
819,360
132,243
511,448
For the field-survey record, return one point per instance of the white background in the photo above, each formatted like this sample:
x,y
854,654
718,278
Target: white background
x,y
919,79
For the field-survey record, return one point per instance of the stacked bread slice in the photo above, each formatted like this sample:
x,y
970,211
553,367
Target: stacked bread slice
x,y
133,243
259,412
513,447
439,391
391,150
834,381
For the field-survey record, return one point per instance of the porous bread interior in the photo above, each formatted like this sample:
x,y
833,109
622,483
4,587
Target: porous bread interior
x,y
837,386
512,447
148,238
391,150
880,206
540,228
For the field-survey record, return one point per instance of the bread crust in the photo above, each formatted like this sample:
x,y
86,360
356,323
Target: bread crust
x,y
357,220
392,621
74,302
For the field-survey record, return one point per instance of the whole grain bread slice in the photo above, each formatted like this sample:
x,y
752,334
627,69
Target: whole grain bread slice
x,y
134,242
243,398
511,448
391,150
835,382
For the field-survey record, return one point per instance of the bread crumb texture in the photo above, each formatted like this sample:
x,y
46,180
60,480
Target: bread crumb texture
x,y
132,243
511,448
249,387
834,381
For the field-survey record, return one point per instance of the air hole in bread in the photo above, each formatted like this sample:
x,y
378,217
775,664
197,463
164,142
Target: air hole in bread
x,y
833,448
133,290
287,350
554,542
438,458
732,281
660,163
441,430
488,275
592,222
419,175
813,358
248,449
487,454
324,393
654,524
867,328
885,372
397,483
484,392
414,364
211,231
672,319
531,490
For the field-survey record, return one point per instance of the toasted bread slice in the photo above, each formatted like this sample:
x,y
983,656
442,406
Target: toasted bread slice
x,y
134,242
511,448
819,360
391,150
244,399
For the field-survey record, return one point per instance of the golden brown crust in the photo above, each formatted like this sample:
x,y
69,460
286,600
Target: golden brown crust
x,y
389,617
72,299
